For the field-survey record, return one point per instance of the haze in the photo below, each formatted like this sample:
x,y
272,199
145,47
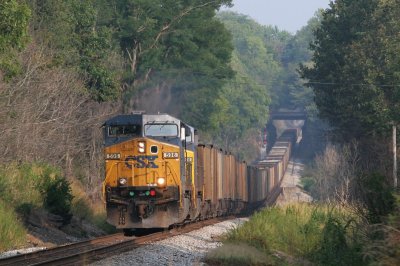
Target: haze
x,y
288,15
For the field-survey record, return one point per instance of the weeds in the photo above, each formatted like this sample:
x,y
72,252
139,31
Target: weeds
x,y
84,209
336,248
378,197
384,249
12,232
321,234
238,254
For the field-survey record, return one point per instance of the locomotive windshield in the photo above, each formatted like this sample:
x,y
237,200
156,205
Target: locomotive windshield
x,y
161,130
124,130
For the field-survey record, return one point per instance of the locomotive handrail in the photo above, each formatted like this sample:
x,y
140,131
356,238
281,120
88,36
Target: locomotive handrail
x,y
105,180
133,173
109,170
171,171
173,176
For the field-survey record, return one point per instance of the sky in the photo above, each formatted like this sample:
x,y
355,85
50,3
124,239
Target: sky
x,y
288,15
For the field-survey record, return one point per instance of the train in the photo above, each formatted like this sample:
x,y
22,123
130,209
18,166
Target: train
x,y
157,175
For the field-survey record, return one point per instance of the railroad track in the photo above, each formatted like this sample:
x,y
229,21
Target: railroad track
x,y
85,252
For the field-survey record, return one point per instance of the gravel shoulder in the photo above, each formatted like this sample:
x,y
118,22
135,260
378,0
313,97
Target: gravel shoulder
x,y
186,249
291,189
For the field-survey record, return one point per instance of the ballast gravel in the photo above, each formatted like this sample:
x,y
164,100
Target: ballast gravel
x,y
19,251
186,249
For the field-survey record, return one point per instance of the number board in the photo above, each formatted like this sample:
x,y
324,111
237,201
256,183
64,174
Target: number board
x,y
170,155
113,156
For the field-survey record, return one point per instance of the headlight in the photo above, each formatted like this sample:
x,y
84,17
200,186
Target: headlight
x,y
123,181
142,147
161,181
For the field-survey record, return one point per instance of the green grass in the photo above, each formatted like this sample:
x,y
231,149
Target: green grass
x,y
238,254
12,232
18,184
321,234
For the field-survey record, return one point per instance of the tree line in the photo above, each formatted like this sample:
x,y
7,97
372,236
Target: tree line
x,y
161,56
354,75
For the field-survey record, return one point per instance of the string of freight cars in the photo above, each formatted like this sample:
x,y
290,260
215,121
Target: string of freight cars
x,y
157,175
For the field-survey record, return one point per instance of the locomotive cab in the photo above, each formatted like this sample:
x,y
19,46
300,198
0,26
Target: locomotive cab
x,y
149,171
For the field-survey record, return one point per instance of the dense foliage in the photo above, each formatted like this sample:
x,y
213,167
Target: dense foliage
x,y
354,74
355,67
73,37
13,35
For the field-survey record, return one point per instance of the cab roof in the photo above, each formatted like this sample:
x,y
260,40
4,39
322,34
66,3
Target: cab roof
x,y
120,120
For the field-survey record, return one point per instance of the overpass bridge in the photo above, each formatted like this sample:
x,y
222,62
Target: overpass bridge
x,y
288,115
278,122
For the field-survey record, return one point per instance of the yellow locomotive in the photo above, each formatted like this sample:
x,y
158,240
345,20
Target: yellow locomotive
x,y
150,171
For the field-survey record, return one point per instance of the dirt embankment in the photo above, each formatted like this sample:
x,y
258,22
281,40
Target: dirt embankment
x,y
45,229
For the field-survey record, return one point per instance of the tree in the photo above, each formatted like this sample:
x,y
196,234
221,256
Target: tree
x,y
356,72
94,45
256,51
379,48
154,35
243,106
346,93
297,51
71,30
174,51
14,18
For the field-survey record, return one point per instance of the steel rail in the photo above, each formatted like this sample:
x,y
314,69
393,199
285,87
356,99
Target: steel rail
x,y
85,252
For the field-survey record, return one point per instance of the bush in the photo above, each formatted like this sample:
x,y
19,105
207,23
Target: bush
x,y
308,183
24,209
336,246
378,196
384,247
58,196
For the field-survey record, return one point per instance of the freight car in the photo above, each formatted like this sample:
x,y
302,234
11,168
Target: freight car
x,y
157,175
265,176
